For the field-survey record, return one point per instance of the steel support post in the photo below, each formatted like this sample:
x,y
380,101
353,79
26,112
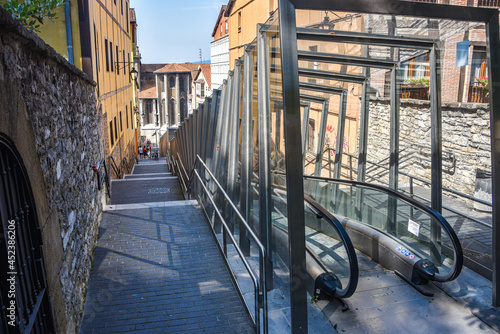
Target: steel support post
x,y
394,150
198,131
493,40
196,134
218,129
189,147
233,154
337,172
213,118
224,142
294,171
264,137
222,169
192,142
436,132
305,132
205,128
246,141
200,116
436,152
321,138
364,116
217,147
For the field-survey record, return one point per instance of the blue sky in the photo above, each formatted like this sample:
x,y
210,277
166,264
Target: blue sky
x,y
174,31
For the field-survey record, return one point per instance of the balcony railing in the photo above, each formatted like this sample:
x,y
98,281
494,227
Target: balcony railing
x,y
488,3
477,93
415,92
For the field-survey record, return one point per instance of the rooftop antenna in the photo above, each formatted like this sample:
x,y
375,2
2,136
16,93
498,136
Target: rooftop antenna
x,y
201,58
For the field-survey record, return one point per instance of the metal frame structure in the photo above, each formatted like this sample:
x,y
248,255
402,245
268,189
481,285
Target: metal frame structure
x,y
290,54
216,130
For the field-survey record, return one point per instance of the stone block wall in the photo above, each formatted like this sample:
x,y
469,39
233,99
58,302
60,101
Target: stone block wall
x,y
48,110
465,132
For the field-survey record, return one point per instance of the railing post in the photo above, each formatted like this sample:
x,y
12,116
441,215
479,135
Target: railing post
x,y
246,142
340,136
264,134
294,171
233,154
493,43
436,152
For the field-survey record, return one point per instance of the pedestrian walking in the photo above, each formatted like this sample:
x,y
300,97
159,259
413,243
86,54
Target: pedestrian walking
x,y
140,152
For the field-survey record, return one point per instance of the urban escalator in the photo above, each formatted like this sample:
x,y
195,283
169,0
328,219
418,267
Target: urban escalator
x,y
395,230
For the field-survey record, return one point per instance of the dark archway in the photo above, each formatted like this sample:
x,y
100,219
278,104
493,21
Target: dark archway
x,y
21,257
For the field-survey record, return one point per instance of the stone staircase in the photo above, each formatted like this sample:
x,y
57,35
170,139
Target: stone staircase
x,y
149,182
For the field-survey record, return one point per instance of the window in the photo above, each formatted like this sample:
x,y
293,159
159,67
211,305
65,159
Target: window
x,y
171,112
121,3
96,47
106,53
111,55
127,14
478,66
239,22
111,138
121,122
116,130
221,29
183,110
129,67
127,64
172,82
417,67
226,26
117,61
202,90
126,114
181,84
478,76
131,115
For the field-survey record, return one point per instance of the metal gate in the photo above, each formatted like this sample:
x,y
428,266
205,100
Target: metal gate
x,y
24,300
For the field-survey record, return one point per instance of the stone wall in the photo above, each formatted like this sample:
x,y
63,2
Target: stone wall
x,y
48,110
466,137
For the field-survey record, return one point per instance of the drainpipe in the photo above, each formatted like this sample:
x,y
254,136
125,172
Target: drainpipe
x,y
69,35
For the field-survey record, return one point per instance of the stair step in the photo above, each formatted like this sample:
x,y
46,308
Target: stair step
x,y
146,175
150,168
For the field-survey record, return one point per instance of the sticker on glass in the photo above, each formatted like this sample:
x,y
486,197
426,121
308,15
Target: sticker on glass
x,y
413,227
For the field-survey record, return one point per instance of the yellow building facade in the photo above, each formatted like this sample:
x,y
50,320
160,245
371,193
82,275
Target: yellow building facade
x,y
244,15
102,48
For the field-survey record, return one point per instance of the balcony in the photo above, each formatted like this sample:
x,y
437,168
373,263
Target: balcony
x,y
415,92
478,93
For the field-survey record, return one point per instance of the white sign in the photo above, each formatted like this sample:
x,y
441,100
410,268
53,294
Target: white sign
x,y
413,227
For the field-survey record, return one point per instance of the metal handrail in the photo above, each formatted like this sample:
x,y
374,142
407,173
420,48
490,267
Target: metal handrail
x,y
118,169
457,247
184,183
102,178
260,294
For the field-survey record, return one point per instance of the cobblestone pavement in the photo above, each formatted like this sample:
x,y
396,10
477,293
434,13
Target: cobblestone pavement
x,y
157,269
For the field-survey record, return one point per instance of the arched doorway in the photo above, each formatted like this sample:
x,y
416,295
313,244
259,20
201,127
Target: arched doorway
x,y
24,305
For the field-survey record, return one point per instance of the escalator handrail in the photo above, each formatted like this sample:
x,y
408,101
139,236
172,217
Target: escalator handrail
x,y
457,247
346,241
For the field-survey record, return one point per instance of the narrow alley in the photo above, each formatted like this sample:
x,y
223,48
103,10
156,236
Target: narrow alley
x,y
157,267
